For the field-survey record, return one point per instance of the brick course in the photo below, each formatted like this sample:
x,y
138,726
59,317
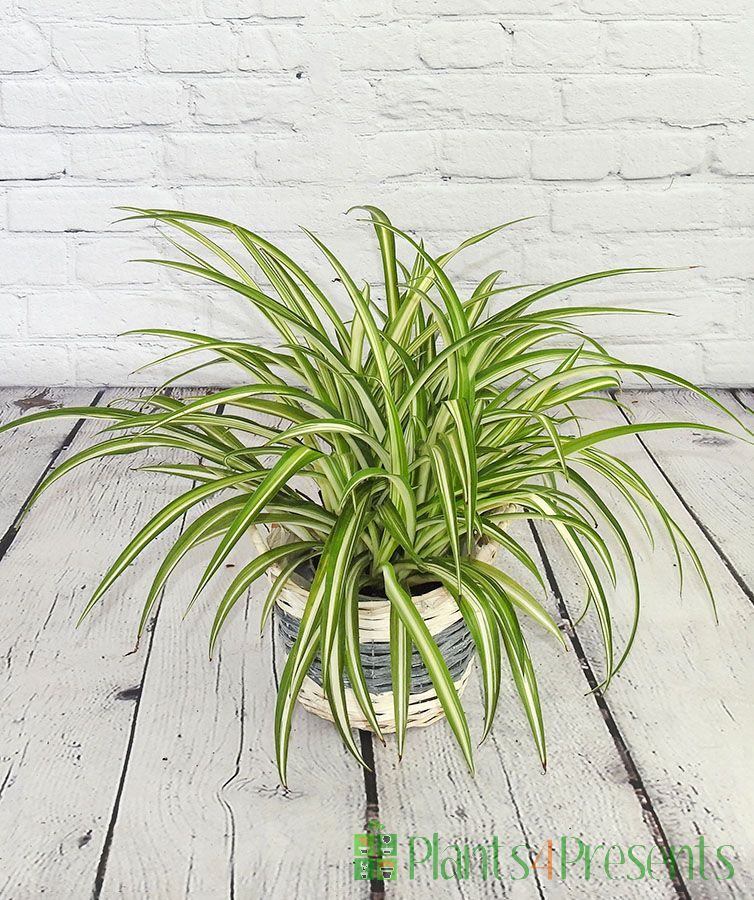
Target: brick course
x,y
626,127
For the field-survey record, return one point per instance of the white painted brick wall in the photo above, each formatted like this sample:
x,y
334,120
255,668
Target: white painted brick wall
x,y
625,126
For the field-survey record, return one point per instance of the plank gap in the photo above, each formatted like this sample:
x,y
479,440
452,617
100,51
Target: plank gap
x,y
746,590
735,394
10,535
138,690
99,877
650,815
236,771
376,885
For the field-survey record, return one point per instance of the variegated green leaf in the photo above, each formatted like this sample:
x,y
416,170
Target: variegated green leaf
x,y
433,660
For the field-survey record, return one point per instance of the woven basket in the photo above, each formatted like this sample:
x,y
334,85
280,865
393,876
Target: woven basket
x,y
441,615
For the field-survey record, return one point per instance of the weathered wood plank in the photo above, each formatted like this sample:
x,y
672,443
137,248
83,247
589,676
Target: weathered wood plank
x,y
25,453
68,694
322,811
585,793
683,699
744,399
171,836
202,813
202,807
713,473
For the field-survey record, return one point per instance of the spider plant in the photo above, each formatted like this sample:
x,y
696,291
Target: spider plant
x,y
426,423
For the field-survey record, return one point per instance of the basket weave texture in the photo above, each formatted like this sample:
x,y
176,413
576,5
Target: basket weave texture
x,y
441,615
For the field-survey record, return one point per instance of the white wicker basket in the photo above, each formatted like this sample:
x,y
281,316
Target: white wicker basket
x,y
438,609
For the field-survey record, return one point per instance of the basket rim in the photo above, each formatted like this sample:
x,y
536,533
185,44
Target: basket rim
x,y
435,605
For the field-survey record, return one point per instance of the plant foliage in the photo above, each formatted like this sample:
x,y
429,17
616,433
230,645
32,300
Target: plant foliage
x,y
426,423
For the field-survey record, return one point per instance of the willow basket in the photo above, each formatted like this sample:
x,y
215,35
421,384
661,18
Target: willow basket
x,y
441,615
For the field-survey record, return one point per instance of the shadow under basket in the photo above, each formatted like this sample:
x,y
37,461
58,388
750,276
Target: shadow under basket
x,y
441,615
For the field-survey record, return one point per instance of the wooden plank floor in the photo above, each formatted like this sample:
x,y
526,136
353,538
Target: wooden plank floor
x,y
151,774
